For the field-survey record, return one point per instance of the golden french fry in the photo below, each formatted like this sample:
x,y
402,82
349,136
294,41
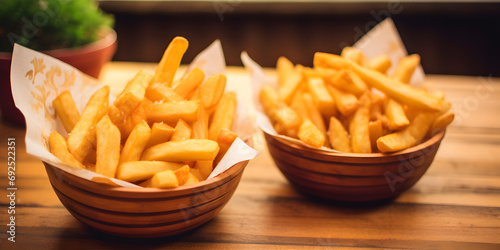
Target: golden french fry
x,y
289,86
182,174
108,147
136,142
133,94
191,179
396,117
212,90
310,135
380,63
327,60
163,179
66,110
314,113
142,170
225,138
182,131
323,100
405,68
179,151
376,131
126,123
171,112
338,136
223,116
82,136
59,148
205,168
358,128
160,93
200,126
347,81
441,123
409,136
284,68
346,102
190,83
160,133
196,173
268,98
170,61
353,54
288,120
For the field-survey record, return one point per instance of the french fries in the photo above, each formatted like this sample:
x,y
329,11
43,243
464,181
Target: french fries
x,y
66,110
381,113
156,132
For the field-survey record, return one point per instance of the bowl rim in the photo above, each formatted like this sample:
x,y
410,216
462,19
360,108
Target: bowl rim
x,y
309,152
107,38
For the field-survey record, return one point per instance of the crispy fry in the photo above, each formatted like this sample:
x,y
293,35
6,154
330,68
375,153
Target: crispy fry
x,y
212,90
310,135
338,136
314,113
179,151
205,168
347,81
133,94
380,63
223,116
170,112
200,126
376,131
170,61
346,102
136,142
82,136
408,137
284,68
406,67
358,127
160,133
225,138
441,123
191,179
161,93
182,131
190,83
289,86
66,110
182,174
108,147
141,170
323,100
59,148
268,98
353,54
396,117
163,179
288,120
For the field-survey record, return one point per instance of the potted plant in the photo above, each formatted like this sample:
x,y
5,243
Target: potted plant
x,y
76,32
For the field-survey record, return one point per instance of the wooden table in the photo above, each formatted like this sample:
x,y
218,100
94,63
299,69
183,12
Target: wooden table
x,y
455,205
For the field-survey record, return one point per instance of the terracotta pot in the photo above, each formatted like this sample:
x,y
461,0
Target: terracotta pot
x,y
352,177
88,58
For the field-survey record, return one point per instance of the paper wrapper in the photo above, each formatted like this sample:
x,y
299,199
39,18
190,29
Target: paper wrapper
x,y
382,39
36,79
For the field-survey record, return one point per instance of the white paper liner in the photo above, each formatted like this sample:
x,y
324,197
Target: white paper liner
x,y
36,79
382,39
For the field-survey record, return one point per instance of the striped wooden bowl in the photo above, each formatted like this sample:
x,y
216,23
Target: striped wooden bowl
x,y
144,212
352,177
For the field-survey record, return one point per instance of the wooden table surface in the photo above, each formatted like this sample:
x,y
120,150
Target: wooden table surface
x,y
455,205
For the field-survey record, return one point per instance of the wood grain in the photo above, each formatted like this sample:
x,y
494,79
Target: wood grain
x,y
456,204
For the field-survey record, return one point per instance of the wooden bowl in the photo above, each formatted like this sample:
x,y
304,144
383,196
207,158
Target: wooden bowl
x,y
352,177
144,212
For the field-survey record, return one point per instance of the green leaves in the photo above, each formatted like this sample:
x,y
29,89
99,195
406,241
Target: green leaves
x,y
50,24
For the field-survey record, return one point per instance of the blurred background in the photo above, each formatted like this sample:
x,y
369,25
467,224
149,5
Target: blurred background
x,y
452,37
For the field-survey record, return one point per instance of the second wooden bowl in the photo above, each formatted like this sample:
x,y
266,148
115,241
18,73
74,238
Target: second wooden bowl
x,y
352,177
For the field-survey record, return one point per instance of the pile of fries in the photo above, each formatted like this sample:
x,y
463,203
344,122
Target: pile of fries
x,y
157,133
334,104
